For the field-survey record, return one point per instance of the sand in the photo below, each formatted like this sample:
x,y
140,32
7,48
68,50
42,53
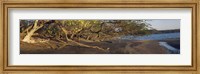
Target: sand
x,y
115,47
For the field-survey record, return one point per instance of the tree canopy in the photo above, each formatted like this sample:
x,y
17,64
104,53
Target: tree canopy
x,y
85,30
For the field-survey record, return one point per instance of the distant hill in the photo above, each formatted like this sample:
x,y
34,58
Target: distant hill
x,y
166,31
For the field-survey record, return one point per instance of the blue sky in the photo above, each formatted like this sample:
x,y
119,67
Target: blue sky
x,y
164,24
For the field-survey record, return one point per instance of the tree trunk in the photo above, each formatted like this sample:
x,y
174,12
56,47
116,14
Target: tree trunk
x,y
80,44
65,31
88,37
27,29
72,36
27,38
84,45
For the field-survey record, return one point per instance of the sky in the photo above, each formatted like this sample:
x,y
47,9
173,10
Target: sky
x,y
164,24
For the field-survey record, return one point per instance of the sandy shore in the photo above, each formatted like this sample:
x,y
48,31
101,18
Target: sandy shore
x,y
115,47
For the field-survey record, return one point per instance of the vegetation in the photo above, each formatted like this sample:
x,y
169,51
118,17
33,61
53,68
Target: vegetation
x,y
74,31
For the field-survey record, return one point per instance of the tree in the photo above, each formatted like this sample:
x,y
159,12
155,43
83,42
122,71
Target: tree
x,y
69,31
37,25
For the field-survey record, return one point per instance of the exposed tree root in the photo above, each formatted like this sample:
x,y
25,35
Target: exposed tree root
x,y
62,46
52,47
81,44
63,42
84,45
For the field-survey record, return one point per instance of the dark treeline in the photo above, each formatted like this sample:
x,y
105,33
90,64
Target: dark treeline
x,y
167,31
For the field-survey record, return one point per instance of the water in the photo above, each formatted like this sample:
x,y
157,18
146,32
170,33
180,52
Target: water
x,y
152,36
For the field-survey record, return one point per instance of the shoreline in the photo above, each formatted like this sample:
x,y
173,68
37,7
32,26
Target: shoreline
x,y
115,47
170,48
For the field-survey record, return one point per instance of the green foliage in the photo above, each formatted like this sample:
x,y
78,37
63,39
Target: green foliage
x,y
95,30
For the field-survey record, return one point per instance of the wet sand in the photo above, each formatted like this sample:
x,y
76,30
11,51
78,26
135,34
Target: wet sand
x,y
173,42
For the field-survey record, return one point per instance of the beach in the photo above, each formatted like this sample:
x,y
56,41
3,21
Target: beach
x,y
114,47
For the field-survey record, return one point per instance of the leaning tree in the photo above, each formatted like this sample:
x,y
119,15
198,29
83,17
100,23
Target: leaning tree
x,y
67,31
